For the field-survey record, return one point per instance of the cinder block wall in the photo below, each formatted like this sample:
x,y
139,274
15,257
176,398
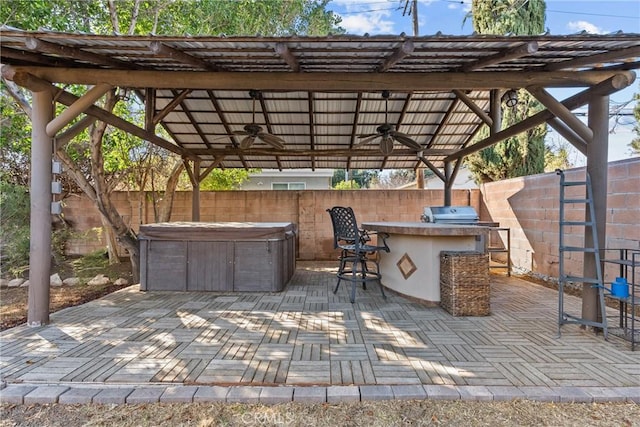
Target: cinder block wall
x,y
530,207
306,209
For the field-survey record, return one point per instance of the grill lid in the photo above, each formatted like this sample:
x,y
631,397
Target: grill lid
x,y
450,214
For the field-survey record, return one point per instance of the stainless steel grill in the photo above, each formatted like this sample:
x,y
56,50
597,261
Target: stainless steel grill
x,y
450,215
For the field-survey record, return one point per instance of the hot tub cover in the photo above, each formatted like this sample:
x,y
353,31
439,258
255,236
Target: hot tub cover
x,y
211,231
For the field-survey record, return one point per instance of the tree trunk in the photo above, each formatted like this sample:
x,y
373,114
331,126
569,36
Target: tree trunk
x,y
130,243
124,234
165,205
110,238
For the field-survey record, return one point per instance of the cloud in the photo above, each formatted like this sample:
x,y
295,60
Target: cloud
x,y
590,28
367,23
363,16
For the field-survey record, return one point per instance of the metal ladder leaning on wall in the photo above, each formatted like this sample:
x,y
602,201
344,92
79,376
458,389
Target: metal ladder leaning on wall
x,y
563,278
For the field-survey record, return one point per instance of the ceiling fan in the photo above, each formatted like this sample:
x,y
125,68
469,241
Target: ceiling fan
x,y
254,131
387,133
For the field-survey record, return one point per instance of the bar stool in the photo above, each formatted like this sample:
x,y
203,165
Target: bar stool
x,y
355,247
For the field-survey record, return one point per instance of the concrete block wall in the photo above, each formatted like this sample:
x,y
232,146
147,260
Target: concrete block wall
x,y
527,205
306,209
530,207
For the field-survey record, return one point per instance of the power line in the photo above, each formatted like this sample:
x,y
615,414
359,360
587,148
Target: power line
x,y
594,14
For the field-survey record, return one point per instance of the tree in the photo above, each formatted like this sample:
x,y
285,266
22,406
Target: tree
x,y
523,154
363,177
634,145
15,139
108,150
557,156
395,178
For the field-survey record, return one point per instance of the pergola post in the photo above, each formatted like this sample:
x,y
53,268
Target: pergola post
x,y
40,231
448,182
495,111
195,199
597,168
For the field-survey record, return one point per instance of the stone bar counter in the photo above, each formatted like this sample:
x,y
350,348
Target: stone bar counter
x,y
412,267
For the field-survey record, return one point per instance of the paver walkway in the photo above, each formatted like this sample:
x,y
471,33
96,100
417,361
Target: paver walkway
x,y
149,346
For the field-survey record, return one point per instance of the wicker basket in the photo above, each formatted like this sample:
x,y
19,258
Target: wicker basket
x,y
464,283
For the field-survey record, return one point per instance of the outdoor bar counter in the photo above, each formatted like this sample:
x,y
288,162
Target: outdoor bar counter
x,y
412,267
217,256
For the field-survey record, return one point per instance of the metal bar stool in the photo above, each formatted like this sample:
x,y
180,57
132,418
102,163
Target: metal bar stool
x,y
355,246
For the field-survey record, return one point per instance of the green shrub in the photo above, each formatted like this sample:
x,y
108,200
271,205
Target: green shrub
x,y
15,231
14,228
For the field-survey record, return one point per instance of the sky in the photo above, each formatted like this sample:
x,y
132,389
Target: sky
x,y
563,17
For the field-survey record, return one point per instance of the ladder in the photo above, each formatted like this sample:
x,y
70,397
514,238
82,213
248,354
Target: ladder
x,y
563,278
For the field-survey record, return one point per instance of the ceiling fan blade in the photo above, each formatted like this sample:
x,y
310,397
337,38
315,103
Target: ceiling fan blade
x,y
386,145
240,132
219,138
406,140
368,135
247,142
367,140
272,140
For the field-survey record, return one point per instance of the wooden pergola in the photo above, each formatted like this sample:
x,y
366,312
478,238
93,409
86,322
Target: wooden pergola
x,y
319,95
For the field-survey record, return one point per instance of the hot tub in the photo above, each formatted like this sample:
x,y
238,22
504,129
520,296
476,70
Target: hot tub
x,y
220,256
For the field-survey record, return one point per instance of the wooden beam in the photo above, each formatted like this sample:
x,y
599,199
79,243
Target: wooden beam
x,y
35,58
343,152
212,166
448,183
444,121
283,50
611,85
171,106
398,55
495,110
38,85
187,112
454,171
40,211
286,81
77,108
611,56
187,167
524,49
161,49
149,108
312,134
73,130
597,168
568,134
473,107
195,194
630,65
225,123
430,165
38,45
562,112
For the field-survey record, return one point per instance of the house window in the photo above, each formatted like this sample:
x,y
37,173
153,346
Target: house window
x,y
288,186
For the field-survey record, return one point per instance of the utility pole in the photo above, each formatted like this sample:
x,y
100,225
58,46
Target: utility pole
x,y
413,11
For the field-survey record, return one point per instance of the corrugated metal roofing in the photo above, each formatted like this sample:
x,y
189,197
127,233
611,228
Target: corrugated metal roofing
x,y
321,127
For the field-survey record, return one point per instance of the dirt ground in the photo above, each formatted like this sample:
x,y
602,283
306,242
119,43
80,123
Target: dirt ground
x,y
370,414
13,301
13,306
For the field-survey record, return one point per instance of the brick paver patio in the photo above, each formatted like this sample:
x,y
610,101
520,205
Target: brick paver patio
x,y
168,346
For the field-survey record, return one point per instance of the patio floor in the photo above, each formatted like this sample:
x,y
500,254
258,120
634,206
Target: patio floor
x,y
307,336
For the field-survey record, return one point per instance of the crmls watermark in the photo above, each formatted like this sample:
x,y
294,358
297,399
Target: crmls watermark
x,y
267,418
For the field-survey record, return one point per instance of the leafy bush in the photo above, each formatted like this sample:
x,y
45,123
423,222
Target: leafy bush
x,y
14,228
347,185
15,231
